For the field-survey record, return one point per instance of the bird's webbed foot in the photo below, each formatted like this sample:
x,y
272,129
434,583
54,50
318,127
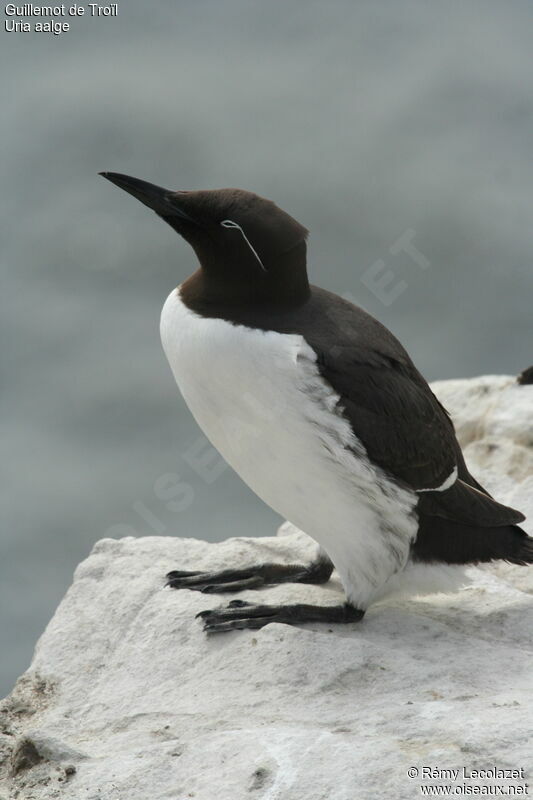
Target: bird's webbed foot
x,y
236,580
239,615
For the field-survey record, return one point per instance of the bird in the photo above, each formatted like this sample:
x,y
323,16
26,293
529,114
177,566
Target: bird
x,y
321,411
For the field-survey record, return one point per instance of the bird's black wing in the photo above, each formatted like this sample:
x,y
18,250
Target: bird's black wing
x,y
398,421
393,412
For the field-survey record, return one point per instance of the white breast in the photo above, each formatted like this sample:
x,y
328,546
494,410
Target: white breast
x,y
259,398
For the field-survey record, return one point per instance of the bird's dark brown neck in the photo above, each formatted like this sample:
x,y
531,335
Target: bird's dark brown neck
x,y
221,291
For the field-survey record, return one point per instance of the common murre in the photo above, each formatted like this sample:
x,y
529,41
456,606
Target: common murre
x,y
320,410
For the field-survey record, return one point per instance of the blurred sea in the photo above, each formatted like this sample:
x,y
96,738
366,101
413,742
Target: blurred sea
x,y
366,121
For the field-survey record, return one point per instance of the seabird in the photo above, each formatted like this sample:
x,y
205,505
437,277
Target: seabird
x,y
320,410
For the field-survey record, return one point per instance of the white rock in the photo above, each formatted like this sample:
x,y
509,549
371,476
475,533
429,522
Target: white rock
x,y
126,699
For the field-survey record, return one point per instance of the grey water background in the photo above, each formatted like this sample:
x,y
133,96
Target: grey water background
x,y
364,120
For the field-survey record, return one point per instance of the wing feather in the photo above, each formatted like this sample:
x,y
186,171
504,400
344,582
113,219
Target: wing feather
x,y
402,425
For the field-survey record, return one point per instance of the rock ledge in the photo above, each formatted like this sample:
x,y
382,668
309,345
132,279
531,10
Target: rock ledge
x,y
126,699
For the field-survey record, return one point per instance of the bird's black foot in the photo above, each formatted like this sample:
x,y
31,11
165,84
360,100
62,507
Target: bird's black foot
x,y
239,615
235,580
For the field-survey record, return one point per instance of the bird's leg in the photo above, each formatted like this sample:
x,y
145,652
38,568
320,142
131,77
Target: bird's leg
x,y
235,580
239,615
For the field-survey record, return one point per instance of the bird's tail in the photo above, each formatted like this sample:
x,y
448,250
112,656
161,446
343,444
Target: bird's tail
x,y
524,551
454,542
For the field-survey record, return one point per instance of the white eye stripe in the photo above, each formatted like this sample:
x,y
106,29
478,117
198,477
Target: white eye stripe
x,y
229,223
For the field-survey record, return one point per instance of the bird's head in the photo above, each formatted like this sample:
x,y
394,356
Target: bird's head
x,y
249,249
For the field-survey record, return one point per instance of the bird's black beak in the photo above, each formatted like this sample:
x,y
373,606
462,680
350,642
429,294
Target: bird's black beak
x,y
162,201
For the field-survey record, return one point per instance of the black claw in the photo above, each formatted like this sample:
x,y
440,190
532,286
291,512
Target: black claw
x,y
180,573
205,613
238,603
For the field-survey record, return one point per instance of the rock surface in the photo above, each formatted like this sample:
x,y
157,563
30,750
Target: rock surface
x,y
126,699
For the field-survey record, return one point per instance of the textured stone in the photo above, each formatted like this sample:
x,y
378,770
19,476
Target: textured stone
x,y
126,699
